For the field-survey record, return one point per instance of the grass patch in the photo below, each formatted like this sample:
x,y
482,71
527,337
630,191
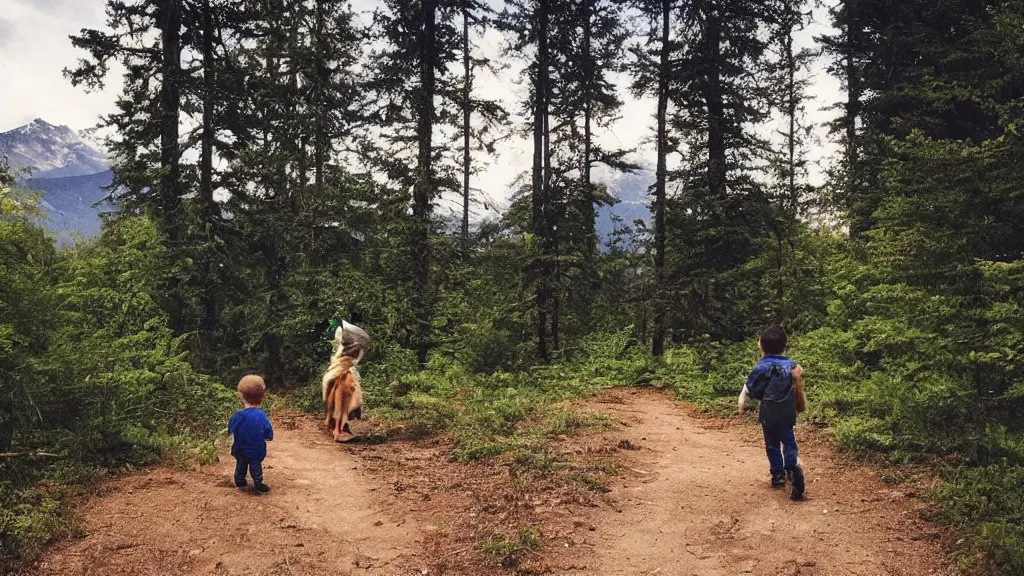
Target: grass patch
x,y
527,538
989,500
536,457
488,415
30,519
588,480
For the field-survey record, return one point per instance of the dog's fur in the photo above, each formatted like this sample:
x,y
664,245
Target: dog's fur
x,y
342,393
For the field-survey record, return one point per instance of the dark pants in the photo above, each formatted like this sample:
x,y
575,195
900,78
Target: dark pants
x,y
254,467
784,458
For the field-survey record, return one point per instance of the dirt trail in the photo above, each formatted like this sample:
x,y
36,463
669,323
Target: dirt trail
x,y
321,517
690,499
694,500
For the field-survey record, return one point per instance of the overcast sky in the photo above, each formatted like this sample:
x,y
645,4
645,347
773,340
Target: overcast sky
x,y
34,49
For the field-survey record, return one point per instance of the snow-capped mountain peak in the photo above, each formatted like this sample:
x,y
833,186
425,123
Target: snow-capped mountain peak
x,y
51,151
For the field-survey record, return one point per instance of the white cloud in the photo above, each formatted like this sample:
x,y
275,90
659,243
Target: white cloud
x,y
34,49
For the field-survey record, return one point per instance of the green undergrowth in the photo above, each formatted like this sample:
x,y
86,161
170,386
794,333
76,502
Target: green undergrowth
x,y
489,415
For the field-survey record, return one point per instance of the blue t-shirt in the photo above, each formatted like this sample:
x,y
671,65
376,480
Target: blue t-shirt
x,y
771,382
251,429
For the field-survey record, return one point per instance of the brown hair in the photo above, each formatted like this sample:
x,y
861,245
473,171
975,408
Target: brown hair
x,y
773,340
252,389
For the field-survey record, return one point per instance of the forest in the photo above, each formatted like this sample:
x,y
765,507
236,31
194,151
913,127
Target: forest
x,y
279,163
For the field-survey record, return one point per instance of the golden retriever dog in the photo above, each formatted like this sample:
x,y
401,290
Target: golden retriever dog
x,y
341,391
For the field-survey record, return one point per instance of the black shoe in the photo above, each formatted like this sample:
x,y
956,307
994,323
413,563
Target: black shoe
x,y
261,487
796,478
778,479
241,484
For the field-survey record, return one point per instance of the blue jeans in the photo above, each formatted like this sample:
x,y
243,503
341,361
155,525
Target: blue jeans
x,y
780,459
254,467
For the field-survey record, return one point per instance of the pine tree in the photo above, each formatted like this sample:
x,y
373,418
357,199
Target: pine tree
x,y
145,38
528,25
285,106
483,119
412,73
591,49
654,74
791,190
846,50
423,189
724,92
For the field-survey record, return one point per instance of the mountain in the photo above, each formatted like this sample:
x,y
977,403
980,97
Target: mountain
x,y
69,173
632,192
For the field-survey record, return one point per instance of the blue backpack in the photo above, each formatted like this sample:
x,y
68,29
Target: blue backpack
x,y
771,382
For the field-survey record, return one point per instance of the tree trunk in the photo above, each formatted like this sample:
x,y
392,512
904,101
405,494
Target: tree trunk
x,y
661,175
853,93
792,196
423,188
780,284
206,160
320,139
170,100
467,86
207,206
552,217
539,192
589,213
791,101
169,16
556,293
715,106
300,142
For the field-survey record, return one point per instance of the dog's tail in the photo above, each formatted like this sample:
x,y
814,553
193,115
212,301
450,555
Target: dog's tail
x,y
326,384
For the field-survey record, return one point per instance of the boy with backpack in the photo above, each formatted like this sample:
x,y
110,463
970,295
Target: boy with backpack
x,y
777,382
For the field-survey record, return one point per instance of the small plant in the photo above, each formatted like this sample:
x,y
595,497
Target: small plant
x,y
534,457
589,481
526,538
606,467
31,519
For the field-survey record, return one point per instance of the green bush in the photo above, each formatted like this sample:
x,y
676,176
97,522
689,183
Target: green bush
x,y
990,500
89,371
29,519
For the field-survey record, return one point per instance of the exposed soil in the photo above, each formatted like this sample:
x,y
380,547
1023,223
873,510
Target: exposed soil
x,y
321,517
695,499
666,492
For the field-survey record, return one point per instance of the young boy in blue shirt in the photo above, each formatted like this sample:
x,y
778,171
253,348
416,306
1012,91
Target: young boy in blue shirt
x,y
250,429
777,382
